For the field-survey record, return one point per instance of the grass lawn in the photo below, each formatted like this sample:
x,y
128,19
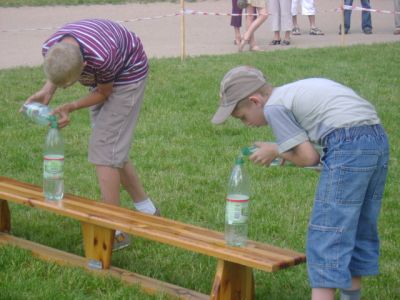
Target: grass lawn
x,y
184,162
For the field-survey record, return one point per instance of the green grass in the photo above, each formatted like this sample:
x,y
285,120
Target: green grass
x,y
18,3
184,162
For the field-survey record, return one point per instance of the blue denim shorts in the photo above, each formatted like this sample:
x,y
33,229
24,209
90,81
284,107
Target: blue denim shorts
x,y
343,239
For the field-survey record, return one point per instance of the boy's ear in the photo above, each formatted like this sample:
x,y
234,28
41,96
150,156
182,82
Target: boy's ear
x,y
255,98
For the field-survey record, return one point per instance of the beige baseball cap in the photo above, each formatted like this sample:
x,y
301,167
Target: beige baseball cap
x,y
237,84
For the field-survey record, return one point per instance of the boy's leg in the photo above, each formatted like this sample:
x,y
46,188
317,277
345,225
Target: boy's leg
x,y
131,182
109,182
336,248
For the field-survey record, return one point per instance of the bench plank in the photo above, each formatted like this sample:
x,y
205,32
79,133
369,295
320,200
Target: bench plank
x,y
149,285
255,255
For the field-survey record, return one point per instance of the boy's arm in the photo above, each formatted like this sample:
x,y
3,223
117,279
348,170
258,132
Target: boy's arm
x,y
98,95
44,95
303,155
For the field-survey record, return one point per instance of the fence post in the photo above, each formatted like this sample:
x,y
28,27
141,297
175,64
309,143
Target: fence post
x,y
183,42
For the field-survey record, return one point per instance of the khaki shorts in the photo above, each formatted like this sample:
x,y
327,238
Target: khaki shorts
x,y
113,124
258,3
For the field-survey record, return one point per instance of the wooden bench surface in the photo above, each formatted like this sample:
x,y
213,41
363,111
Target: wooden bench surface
x,y
255,255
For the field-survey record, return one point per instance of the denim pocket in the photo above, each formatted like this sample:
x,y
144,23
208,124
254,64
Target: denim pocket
x,y
323,246
352,184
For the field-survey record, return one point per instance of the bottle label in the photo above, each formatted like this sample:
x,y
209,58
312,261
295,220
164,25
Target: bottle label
x,y
237,209
53,167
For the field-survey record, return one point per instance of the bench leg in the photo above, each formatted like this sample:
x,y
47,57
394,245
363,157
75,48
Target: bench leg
x,y
98,242
5,218
233,282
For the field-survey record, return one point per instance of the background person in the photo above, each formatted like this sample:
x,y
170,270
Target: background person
x,y
281,21
236,22
307,9
396,16
109,59
253,23
366,23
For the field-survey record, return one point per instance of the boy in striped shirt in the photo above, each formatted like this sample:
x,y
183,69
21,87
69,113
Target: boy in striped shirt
x,y
111,61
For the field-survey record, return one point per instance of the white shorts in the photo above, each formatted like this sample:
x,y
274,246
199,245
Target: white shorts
x,y
307,7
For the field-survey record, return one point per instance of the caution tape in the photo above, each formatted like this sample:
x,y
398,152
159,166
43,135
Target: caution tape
x,y
194,12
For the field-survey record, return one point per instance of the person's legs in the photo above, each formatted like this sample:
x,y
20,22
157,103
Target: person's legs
x,y
275,9
248,37
131,182
236,21
347,15
397,16
366,23
286,19
295,29
342,242
109,182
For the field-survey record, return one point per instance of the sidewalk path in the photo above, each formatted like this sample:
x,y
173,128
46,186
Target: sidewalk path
x,y
161,37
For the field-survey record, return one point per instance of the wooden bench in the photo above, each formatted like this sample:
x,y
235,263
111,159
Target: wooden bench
x,y
234,275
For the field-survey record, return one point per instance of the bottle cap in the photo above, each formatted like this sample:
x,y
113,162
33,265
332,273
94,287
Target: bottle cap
x,y
248,150
53,121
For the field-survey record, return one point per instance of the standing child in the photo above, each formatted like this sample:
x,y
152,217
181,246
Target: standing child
x,y
342,242
109,59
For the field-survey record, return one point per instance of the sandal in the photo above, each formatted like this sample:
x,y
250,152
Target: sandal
x,y
275,42
255,48
285,43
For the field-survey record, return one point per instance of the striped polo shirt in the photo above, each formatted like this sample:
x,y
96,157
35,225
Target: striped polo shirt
x,y
111,52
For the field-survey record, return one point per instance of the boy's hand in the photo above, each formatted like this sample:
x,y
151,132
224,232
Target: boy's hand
x,y
43,96
265,153
63,112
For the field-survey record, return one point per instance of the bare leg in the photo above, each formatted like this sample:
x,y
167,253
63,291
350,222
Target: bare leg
x,y
238,37
311,19
294,20
109,181
131,182
287,35
252,26
323,294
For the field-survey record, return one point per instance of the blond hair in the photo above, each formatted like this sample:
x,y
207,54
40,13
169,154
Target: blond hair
x,y
63,63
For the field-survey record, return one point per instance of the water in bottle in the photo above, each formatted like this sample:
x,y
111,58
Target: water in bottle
x,y
237,206
37,112
53,164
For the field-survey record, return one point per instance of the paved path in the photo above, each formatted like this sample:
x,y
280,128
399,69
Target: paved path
x,y
161,37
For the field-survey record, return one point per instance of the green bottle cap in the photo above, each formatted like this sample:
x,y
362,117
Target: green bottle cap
x,y
53,121
248,150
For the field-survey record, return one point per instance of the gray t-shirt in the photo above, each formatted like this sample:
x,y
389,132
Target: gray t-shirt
x,y
310,109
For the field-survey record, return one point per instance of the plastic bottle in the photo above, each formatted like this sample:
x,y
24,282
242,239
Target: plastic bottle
x,y
37,112
247,151
53,163
237,206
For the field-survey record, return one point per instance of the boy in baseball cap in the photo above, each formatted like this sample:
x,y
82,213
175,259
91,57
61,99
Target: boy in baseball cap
x,y
342,241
